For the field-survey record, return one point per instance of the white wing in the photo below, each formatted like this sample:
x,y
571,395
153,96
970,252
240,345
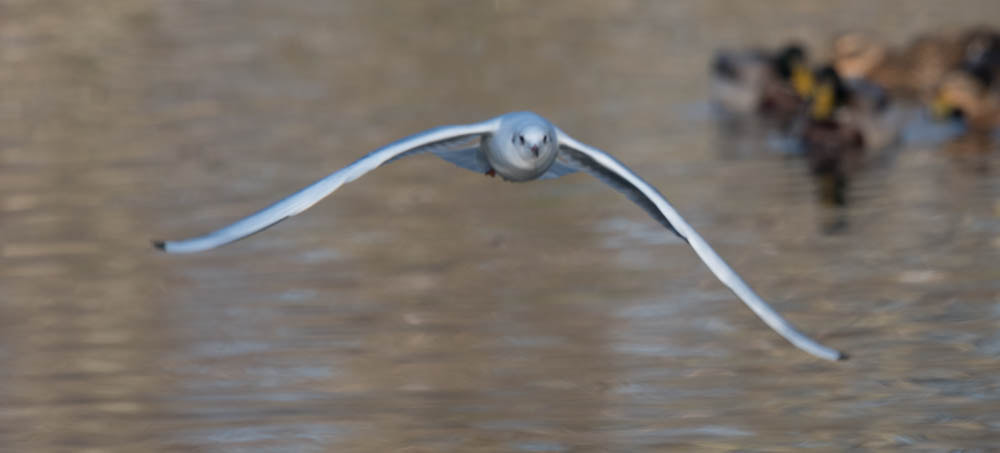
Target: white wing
x,y
430,140
616,174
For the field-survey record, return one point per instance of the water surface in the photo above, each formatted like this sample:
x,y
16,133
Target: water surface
x,y
425,308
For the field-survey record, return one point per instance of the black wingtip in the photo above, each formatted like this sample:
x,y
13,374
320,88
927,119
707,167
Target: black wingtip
x,y
161,245
843,356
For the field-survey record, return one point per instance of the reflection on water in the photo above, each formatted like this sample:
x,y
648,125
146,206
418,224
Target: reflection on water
x,y
539,317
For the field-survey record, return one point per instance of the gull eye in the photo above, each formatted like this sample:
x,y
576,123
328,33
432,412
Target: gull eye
x,y
545,139
522,138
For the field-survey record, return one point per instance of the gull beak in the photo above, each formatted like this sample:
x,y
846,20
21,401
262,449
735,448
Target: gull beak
x,y
534,150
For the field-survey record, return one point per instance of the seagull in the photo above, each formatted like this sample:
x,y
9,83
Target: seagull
x,y
517,147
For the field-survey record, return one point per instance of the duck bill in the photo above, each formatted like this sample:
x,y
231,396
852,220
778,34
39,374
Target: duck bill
x,y
802,80
823,102
941,108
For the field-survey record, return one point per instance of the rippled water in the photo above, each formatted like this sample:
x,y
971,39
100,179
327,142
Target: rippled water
x,y
429,309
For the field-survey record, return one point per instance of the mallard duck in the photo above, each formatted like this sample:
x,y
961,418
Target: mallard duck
x,y
758,82
862,56
910,73
866,107
931,57
832,142
966,96
981,54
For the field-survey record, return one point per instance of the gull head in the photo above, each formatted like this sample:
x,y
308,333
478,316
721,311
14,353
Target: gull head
x,y
532,141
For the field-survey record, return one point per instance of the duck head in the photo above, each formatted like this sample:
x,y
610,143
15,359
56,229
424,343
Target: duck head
x,y
829,94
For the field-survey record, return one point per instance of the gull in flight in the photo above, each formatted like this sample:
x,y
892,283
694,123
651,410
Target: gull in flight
x,y
518,146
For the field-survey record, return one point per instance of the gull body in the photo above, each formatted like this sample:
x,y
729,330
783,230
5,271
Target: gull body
x,y
523,148
519,147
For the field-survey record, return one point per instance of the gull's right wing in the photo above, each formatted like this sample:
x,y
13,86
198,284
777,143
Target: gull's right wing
x,y
617,175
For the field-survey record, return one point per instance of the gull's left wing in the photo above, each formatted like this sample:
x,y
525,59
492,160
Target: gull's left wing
x,y
431,140
617,175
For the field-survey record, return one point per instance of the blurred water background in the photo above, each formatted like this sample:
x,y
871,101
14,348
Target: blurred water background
x,y
428,309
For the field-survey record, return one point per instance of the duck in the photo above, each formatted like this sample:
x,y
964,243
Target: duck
x,y
832,141
981,54
863,56
866,106
966,96
761,83
911,73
